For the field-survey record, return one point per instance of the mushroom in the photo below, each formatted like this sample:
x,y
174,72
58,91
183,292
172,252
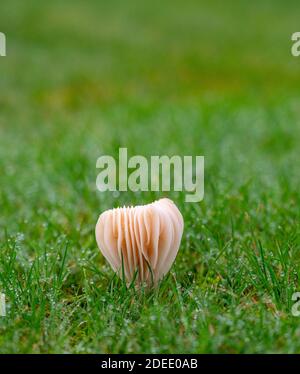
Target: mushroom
x,y
141,242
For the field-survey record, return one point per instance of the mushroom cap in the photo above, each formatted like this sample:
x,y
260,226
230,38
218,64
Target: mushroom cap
x,y
141,241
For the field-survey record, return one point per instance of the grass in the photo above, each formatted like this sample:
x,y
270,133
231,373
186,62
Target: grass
x,y
81,80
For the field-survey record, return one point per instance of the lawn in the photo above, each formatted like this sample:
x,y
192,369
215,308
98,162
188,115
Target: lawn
x,y
82,79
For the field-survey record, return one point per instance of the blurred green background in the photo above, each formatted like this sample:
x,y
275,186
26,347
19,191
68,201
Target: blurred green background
x,y
86,53
211,78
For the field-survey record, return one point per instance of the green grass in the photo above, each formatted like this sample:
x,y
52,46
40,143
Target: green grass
x,y
82,79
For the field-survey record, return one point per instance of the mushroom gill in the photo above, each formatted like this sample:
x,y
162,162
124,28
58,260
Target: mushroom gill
x,y
141,241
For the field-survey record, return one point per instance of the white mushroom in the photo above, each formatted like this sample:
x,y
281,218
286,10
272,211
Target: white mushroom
x,y
141,241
